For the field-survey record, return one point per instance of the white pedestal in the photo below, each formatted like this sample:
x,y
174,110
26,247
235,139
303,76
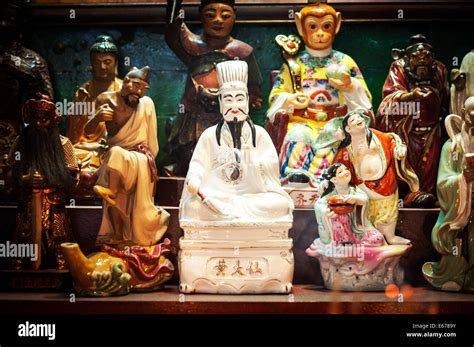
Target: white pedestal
x,y
236,258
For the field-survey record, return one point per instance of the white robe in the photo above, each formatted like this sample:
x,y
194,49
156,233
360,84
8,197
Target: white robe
x,y
141,222
256,196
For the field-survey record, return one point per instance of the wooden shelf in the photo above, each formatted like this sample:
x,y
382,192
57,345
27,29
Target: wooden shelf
x,y
305,299
152,14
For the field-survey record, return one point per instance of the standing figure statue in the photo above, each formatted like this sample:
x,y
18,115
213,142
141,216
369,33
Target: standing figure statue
x,y
23,73
415,100
313,86
453,234
44,170
90,146
127,175
462,85
199,107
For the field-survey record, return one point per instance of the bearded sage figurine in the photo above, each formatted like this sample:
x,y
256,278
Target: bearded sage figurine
x,y
233,198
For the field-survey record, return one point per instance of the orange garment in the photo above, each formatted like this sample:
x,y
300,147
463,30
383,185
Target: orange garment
x,y
387,185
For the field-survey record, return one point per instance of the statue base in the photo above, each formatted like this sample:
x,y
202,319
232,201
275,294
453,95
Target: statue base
x,y
236,257
235,230
359,268
236,267
302,195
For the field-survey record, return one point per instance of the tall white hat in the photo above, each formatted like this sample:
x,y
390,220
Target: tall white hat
x,y
232,74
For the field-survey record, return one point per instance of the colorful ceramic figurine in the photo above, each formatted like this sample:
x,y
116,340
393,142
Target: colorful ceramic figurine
x,y
44,169
453,234
340,202
415,100
199,107
126,181
314,86
90,146
118,271
127,175
462,83
375,160
352,253
23,73
234,212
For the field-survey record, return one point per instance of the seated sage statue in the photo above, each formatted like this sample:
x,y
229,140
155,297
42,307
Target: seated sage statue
x,y
127,175
234,212
234,171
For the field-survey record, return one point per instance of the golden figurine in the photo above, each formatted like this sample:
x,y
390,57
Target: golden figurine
x,y
118,271
90,144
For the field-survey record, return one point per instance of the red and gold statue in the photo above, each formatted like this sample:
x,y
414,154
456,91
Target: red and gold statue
x,y
44,169
415,100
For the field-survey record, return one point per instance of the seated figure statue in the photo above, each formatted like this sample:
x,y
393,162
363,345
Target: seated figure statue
x,y
314,86
352,253
340,227
376,160
127,175
233,200
233,173
90,146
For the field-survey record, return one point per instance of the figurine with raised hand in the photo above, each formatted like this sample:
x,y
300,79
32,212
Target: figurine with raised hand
x,y
127,175
199,107
376,160
314,86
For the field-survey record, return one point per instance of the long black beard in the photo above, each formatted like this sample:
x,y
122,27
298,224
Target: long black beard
x,y
236,132
41,150
235,128
415,80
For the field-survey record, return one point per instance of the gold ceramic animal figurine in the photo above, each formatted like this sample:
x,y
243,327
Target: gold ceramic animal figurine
x,y
120,270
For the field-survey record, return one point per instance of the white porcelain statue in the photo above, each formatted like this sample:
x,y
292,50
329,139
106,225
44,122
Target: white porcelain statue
x,y
234,212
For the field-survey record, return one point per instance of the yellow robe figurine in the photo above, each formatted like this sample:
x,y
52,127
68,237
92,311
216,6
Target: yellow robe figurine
x,y
314,86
